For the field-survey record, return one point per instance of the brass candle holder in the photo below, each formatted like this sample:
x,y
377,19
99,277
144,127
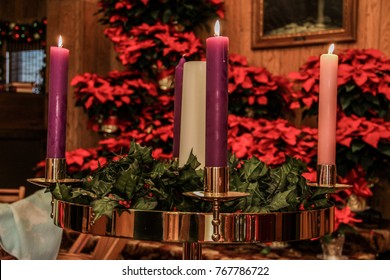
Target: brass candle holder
x,y
327,178
216,190
55,169
55,172
326,175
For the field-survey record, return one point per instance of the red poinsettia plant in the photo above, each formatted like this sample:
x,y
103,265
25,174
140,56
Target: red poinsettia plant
x,y
270,140
154,48
363,83
182,16
254,91
120,94
364,143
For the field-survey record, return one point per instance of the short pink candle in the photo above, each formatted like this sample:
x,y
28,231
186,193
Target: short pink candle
x,y
327,110
58,89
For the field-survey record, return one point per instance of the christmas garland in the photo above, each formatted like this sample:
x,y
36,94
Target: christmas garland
x,y
139,181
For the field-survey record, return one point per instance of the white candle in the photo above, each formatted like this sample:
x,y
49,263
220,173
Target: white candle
x,y
193,112
327,110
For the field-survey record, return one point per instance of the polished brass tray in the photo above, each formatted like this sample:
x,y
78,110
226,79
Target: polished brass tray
x,y
196,227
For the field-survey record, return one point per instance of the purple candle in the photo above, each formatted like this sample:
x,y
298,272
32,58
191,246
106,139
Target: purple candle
x,y
177,107
58,88
216,99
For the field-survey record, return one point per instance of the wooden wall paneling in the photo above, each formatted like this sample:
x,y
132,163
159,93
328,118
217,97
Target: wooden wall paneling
x,y
22,11
20,111
96,44
384,27
373,22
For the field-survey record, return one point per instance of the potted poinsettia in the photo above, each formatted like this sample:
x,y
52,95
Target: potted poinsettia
x,y
120,94
255,92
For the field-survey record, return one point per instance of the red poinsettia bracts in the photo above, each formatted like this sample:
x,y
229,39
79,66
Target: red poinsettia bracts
x,y
270,141
80,160
357,177
344,216
306,84
143,44
117,94
369,131
254,87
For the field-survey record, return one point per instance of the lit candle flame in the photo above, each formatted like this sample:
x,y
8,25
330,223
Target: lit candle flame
x,y
331,49
60,42
216,28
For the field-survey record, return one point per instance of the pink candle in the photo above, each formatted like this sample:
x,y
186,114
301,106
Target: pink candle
x,y
327,110
177,107
58,88
216,99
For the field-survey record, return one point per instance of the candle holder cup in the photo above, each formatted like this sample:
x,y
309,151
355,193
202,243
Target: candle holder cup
x,y
55,172
327,178
55,169
326,175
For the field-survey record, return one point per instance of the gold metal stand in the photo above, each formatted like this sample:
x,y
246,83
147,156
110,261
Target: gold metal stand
x,y
194,229
216,190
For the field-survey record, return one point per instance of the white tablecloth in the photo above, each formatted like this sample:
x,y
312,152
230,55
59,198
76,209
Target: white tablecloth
x,y
26,229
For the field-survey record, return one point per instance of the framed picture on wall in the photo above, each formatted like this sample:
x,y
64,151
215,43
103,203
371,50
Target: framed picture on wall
x,y
286,23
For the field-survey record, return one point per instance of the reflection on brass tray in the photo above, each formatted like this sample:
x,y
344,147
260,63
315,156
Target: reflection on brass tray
x,y
337,187
173,226
43,182
208,196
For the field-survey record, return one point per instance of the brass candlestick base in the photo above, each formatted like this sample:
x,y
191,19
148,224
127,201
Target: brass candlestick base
x,y
44,183
55,169
216,180
326,175
55,172
327,178
216,190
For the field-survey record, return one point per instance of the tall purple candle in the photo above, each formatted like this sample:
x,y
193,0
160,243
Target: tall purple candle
x,y
177,107
58,88
216,99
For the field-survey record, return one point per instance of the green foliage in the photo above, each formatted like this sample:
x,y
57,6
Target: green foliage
x,y
354,102
149,184
279,189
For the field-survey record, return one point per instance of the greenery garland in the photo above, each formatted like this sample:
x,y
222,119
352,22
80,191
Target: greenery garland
x,y
139,181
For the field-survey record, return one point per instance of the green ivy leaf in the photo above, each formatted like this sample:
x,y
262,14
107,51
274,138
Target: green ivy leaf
x,y
62,192
81,192
143,203
126,183
192,161
101,188
103,206
279,201
253,169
